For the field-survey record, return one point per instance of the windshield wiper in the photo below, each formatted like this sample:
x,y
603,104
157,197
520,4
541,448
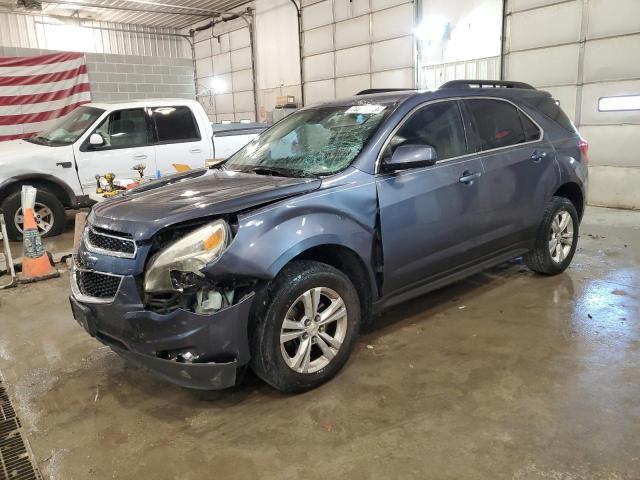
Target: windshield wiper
x,y
277,172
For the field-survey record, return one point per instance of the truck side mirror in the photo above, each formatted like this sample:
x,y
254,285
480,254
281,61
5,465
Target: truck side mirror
x,y
410,156
96,140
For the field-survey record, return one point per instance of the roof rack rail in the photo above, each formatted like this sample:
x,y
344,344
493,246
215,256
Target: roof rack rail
x,y
369,91
486,83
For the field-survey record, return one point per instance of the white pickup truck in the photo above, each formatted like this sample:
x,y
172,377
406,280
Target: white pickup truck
x,y
104,138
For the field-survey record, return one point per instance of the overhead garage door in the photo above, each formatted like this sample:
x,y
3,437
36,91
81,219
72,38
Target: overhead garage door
x,y
583,51
352,45
225,75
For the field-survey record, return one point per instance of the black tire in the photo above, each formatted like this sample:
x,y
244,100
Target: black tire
x,y
539,259
12,204
267,360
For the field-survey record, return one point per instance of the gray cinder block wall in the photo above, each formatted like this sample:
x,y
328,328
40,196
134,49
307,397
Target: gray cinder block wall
x,y
118,78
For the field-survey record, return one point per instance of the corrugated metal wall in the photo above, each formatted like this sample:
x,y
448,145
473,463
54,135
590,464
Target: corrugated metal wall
x,y
580,51
29,31
433,76
352,45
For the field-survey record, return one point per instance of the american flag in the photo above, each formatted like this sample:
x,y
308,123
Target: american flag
x,y
35,91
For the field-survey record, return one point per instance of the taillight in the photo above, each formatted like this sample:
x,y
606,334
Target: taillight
x,y
584,150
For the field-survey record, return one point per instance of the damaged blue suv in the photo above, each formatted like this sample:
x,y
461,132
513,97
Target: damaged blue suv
x,y
273,259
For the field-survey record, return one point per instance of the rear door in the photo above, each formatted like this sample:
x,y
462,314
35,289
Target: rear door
x,y
128,141
519,168
429,216
178,138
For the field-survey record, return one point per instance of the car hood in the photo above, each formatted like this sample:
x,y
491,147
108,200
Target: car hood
x,y
148,209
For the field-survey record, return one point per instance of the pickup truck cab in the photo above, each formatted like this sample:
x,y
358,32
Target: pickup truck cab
x,y
98,138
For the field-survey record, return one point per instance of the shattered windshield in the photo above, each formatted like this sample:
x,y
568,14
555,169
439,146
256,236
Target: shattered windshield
x,y
314,142
67,130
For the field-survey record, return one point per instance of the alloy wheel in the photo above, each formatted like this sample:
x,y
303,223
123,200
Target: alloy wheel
x,y
44,218
561,236
313,330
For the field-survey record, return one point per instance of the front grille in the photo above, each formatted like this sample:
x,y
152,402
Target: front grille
x,y
98,285
110,243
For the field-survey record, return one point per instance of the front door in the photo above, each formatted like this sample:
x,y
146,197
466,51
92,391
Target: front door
x,y
127,143
179,140
429,216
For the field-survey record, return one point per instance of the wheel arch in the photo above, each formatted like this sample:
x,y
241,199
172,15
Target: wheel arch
x,y
40,181
572,192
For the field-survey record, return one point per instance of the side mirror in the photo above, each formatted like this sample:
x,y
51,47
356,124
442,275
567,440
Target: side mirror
x,y
96,140
410,156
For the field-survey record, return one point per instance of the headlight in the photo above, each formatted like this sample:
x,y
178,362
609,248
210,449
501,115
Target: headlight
x,y
188,255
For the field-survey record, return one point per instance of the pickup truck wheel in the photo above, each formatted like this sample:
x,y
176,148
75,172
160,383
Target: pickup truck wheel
x,y
49,211
311,322
556,239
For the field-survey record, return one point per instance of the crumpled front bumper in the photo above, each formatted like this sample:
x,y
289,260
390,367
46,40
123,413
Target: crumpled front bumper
x,y
218,341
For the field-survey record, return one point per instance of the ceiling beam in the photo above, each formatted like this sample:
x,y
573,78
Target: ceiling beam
x,y
74,3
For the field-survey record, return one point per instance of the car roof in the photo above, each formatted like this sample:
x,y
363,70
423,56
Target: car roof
x,y
149,102
399,96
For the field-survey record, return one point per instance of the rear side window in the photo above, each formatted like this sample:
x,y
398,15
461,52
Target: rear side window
x,y
438,125
175,124
498,124
550,107
531,131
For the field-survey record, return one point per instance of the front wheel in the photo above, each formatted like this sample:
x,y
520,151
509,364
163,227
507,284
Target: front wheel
x,y
556,239
48,210
306,334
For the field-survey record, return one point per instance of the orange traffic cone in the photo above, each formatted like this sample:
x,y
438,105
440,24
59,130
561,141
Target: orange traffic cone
x,y
35,260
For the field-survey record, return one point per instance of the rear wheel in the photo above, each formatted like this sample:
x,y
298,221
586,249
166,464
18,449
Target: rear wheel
x,y
556,239
49,212
309,327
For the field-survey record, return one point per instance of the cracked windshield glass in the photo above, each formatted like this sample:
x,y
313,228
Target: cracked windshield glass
x,y
309,143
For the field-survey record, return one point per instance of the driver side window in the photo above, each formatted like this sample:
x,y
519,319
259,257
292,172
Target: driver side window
x,y
125,129
438,125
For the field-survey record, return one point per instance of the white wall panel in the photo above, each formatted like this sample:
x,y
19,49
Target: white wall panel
x,y
560,24
380,4
609,144
242,80
393,22
241,59
203,49
318,40
517,5
608,18
609,59
348,86
243,101
319,67
352,32
204,67
321,91
224,103
591,93
614,187
391,54
548,66
352,61
239,39
317,15
222,63
344,9
402,78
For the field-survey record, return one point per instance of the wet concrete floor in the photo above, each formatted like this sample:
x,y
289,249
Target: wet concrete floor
x,y
504,375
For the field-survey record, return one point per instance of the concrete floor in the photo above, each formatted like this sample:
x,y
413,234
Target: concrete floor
x,y
504,375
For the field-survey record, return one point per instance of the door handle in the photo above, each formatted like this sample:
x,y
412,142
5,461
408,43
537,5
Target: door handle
x,y
139,156
64,164
467,177
195,150
538,155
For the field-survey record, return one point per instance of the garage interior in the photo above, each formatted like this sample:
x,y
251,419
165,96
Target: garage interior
x,y
506,374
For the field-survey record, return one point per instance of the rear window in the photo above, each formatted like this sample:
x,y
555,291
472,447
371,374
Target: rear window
x,y
550,107
175,124
497,123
